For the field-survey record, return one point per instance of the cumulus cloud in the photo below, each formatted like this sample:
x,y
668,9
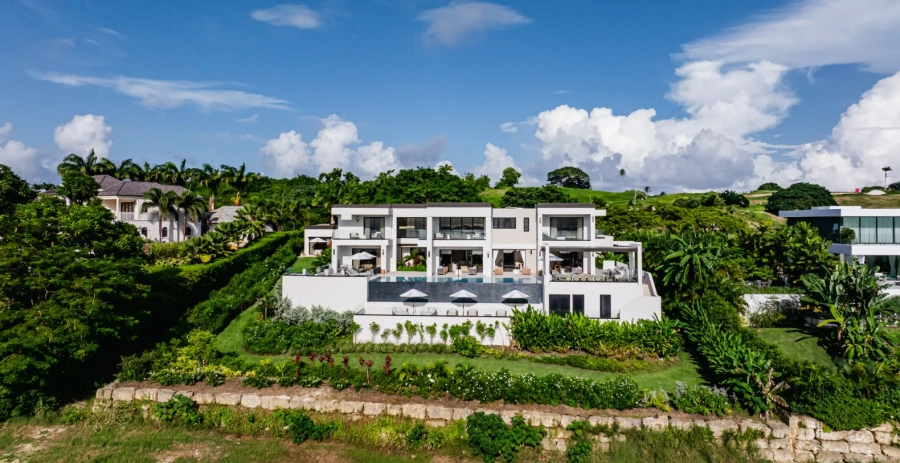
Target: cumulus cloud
x,y
24,161
289,153
5,131
332,144
508,127
83,134
165,94
426,154
456,22
375,158
299,16
812,33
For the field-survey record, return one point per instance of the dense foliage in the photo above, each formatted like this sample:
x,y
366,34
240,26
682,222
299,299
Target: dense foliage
x,y
535,331
799,196
509,179
530,196
769,186
569,177
491,438
622,220
730,198
408,186
77,187
13,190
70,300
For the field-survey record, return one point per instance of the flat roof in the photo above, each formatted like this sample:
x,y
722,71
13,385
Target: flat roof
x,y
322,226
840,211
567,205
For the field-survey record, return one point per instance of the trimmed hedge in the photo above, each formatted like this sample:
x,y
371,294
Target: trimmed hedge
x,y
276,337
244,289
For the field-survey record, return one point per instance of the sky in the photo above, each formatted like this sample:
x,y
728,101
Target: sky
x,y
688,95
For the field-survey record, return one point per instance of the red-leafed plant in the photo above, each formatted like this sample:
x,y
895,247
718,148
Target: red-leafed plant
x,y
387,365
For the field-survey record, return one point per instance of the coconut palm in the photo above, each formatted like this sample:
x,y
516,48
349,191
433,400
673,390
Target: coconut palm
x,y
193,206
210,178
128,169
89,165
647,190
237,178
164,202
885,169
693,260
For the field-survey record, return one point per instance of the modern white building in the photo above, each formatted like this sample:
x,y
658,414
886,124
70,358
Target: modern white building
x,y
125,199
548,253
877,233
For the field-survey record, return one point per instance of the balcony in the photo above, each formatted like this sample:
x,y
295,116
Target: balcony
x,y
355,235
126,215
562,235
459,235
413,233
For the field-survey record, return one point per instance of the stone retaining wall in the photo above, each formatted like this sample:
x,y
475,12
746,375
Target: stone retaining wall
x,y
801,440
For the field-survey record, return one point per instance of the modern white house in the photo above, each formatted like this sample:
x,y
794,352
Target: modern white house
x,y
479,262
124,199
877,233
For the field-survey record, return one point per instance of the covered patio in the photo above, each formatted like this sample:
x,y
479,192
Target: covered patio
x,y
619,262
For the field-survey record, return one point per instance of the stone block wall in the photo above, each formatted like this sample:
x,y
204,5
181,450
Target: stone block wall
x,y
802,439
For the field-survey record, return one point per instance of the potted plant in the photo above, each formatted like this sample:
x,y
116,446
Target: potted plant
x,y
847,235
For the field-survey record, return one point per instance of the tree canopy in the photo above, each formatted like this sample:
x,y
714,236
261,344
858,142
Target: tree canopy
x,y
799,196
13,190
509,179
569,177
78,187
529,197
417,186
770,186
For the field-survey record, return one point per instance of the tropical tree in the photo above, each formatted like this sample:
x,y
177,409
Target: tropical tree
x,y
193,206
13,190
799,196
691,263
210,178
569,177
886,169
647,190
128,169
510,178
90,165
164,202
237,178
78,187
333,189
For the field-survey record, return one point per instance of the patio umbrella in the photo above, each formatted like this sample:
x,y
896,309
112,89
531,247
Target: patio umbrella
x,y
317,240
555,258
516,294
413,293
362,256
463,295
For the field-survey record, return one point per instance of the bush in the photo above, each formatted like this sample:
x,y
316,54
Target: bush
x,y
536,332
491,438
277,337
467,346
701,400
769,186
589,362
530,196
799,196
179,409
734,199
301,427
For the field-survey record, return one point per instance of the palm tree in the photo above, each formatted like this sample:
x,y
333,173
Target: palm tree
x,y
692,261
647,190
237,178
193,206
210,178
129,170
885,169
164,202
90,165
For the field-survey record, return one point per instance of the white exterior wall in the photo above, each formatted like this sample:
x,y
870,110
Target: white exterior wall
x,y
627,299
149,219
516,239
757,302
310,233
339,293
501,337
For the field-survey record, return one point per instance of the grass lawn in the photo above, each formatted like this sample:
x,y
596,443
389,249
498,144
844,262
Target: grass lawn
x,y
300,264
231,340
799,344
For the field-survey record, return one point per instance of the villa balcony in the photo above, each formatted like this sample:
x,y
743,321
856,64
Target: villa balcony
x,y
412,233
126,216
567,236
459,235
364,235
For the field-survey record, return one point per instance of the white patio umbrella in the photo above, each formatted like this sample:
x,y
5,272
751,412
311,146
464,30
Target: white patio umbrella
x,y
317,240
362,256
555,258
515,294
463,295
413,293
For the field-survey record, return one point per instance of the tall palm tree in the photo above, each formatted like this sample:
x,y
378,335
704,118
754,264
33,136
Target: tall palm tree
x,y
165,202
210,178
193,206
238,178
885,169
89,165
185,174
647,190
693,260
166,173
128,169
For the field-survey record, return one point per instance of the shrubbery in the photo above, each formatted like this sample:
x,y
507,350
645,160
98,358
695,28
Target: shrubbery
x,y
799,196
276,337
534,331
491,438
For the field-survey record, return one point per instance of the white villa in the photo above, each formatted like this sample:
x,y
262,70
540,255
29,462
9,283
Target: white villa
x,y
124,199
548,254
877,241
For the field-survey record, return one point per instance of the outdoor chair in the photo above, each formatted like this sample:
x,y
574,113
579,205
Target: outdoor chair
x,y
526,271
352,272
354,235
472,313
441,271
500,313
452,312
568,277
473,270
498,271
400,311
429,311
464,270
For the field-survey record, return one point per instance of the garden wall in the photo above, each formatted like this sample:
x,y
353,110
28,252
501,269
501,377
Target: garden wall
x,y
801,439
757,303
338,293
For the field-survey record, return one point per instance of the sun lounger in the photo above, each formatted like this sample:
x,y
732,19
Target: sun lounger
x,y
498,271
400,311
429,311
452,312
472,313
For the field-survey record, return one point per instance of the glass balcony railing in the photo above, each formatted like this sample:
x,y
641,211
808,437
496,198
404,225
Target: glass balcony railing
x,y
358,235
565,236
412,233
459,235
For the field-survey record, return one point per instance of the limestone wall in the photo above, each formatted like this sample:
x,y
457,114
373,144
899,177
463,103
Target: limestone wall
x,y
802,439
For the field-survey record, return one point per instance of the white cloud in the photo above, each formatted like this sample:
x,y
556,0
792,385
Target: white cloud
x,y
455,22
299,16
812,33
508,127
426,154
252,119
375,158
332,143
83,134
446,163
5,131
24,161
109,31
290,154
560,92
166,94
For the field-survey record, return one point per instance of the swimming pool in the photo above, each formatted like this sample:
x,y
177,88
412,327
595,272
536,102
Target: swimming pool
x,y
452,279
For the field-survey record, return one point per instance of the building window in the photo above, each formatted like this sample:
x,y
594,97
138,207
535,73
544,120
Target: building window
x,y
165,232
885,230
867,230
526,224
605,306
411,227
373,227
559,304
505,222
460,228
188,232
144,232
578,304
567,228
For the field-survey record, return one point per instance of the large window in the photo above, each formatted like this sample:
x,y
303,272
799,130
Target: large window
x,y
885,232
605,306
569,228
526,224
559,304
373,227
867,227
460,228
411,227
505,222
578,304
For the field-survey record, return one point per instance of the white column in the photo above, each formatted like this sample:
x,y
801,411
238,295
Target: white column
x,y
592,265
640,265
631,262
118,214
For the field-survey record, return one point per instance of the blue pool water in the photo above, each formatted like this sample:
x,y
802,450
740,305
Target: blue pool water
x,y
448,279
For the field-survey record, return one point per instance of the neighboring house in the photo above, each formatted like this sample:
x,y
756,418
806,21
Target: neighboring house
x,y
548,253
316,238
125,198
877,233
222,215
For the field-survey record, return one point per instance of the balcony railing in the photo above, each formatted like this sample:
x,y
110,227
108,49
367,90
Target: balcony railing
x,y
126,215
348,235
599,233
565,237
412,233
459,235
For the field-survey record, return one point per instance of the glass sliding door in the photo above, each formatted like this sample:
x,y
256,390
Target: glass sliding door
x,y
460,228
567,228
559,304
373,227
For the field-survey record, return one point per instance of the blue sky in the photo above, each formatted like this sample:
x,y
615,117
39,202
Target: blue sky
x,y
742,92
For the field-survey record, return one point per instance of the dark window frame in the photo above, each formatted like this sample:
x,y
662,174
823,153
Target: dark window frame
x,y
526,224
504,223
